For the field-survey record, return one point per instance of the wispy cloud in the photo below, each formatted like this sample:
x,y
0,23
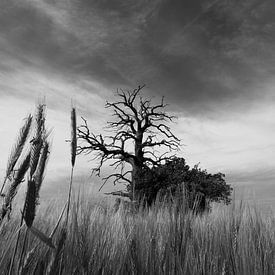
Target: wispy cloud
x,y
223,55
213,60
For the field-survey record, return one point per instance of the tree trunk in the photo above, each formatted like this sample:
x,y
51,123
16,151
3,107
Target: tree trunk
x,y
137,165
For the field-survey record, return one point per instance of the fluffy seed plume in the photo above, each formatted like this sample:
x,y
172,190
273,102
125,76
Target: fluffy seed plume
x,y
17,148
30,203
14,186
73,136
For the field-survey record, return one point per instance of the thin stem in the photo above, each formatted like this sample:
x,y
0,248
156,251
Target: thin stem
x,y
67,215
17,242
58,221
9,245
134,186
51,234
69,196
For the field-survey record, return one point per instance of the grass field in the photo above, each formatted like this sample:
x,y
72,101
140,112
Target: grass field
x,y
88,236
230,240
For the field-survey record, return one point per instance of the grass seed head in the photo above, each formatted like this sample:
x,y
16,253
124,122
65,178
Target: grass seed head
x,y
14,186
40,170
18,146
73,136
30,203
39,138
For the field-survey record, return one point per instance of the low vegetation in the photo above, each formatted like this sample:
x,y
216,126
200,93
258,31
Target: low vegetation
x,y
230,240
165,236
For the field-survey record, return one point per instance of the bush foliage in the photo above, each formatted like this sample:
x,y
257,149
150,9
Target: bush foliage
x,y
175,177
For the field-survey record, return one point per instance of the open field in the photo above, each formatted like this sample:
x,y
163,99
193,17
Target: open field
x,y
230,240
150,148
85,235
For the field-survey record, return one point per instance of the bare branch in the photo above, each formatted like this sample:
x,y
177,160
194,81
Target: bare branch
x,y
138,125
96,143
118,177
119,193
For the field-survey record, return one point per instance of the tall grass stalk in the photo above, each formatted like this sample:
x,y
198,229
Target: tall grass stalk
x,y
14,187
39,174
160,240
55,264
58,256
31,199
17,149
166,238
73,157
30,256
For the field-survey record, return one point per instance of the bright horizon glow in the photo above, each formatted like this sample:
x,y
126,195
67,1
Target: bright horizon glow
x,y
217,76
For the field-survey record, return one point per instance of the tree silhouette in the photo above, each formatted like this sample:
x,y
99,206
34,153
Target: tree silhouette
x,y
175,177
138,129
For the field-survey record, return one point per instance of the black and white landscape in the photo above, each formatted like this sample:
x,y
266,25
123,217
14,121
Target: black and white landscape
x,y
212,63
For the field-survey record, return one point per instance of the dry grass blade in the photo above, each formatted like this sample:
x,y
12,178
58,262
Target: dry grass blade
x,y
28,262
18,148
58,221
54,264
73,136
7,248
40,235
14,186
30,203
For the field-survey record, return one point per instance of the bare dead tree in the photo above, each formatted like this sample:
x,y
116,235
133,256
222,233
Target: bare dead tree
x,y
138,129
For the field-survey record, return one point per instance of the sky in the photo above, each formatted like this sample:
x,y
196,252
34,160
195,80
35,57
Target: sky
x,y
214,61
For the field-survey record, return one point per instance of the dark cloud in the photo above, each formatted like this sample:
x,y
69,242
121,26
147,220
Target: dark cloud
x,y
223,57
202,55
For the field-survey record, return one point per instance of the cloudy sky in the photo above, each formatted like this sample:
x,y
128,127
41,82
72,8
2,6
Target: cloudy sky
x,y
214,61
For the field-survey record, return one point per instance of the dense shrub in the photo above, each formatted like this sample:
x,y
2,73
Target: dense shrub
x,y
175,178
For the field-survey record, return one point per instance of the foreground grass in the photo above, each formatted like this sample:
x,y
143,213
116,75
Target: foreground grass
x,y
231,240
